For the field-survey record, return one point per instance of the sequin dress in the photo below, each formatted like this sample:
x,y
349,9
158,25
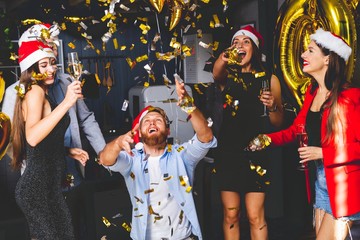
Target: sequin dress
x,y
236,169
38,191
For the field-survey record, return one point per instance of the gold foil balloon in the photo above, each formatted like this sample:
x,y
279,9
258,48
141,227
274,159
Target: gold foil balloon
x,y
5,129
176,11
157,4
298,19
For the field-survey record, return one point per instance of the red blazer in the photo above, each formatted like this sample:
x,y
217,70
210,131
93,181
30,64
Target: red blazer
x,y
341,158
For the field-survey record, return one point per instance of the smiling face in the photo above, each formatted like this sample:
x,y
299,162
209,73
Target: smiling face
x,y
48,66
153,130
315,61
244,45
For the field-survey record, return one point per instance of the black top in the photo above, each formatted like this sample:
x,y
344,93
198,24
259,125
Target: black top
x,y
313,126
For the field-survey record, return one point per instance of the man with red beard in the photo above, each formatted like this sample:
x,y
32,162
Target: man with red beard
x,y
159,175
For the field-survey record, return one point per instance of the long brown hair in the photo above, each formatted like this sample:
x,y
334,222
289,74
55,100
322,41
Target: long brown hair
x,y
18,129
335,82
256,59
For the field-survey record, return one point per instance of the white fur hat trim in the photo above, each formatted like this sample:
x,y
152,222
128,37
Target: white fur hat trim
x,y
332,42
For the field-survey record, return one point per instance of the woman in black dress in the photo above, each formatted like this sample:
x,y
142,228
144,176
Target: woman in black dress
x,y
38,137
246,110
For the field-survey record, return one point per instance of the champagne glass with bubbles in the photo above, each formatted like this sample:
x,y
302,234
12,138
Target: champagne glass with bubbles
x,y
302,139
265,87
74,66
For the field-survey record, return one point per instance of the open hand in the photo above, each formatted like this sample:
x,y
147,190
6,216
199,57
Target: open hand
x,y
81,155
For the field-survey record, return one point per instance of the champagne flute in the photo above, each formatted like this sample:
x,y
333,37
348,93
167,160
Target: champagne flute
x,y
302,139
265,87
74,66
187,103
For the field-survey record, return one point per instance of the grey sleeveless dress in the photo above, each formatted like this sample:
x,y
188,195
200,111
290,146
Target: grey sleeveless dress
x,y
38,191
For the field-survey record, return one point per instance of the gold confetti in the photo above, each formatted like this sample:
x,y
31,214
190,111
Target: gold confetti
x,y
228,99
168,178
144,28
141,58
115,42
180,148
196,86
20,89
149,191
182,181
215,46
75,19
13,56
30,21
181,216
126,226
165,56
97,79
130,62
71,45
106,222
260,74
143,40
258,169
38,76
199,33
186,50
152,77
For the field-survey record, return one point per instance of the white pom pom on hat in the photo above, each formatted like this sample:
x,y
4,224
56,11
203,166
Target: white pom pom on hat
x,y
41,31
250,32
332,42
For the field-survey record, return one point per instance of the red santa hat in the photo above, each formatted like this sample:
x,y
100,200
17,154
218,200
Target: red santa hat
x,y
32,52
137,120
332,42
250,32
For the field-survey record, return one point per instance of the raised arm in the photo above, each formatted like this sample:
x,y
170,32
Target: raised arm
x,y
198,121
220,72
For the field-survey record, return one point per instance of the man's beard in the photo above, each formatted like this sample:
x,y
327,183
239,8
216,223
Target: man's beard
x,y
155,139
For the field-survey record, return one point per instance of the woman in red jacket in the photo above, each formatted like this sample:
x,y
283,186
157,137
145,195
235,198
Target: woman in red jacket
x,y
331,114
